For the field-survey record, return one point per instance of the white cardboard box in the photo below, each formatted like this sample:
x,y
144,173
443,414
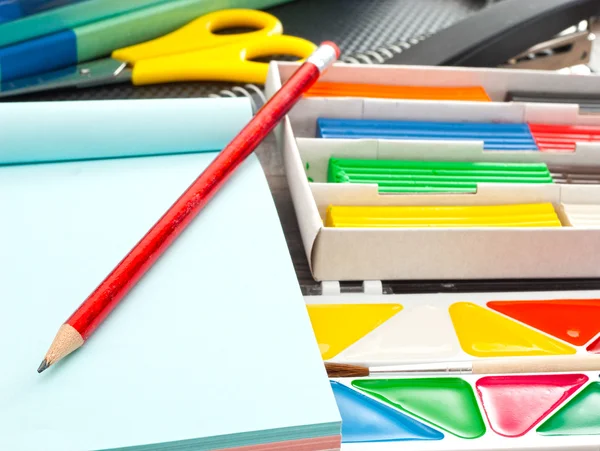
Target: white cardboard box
x,y
437,253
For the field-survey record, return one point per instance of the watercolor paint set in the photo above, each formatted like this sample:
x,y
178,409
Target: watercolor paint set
x,y
415,408
374,178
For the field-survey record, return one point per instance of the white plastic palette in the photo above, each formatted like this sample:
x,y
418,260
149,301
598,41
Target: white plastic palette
x,y
377,329
462,412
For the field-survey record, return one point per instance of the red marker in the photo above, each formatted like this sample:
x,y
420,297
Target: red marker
x,y
82,323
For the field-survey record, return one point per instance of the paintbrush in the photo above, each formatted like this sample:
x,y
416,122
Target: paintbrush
x,y
495,365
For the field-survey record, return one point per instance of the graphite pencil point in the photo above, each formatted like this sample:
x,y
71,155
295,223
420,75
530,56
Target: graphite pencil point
x,y
44,365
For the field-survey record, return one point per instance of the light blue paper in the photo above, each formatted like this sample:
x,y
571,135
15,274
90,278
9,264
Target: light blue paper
x,y
53,131
214,340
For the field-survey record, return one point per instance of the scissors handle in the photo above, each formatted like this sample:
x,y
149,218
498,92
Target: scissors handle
x,y
200,34
228,63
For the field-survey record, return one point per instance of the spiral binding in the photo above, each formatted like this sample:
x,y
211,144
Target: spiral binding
x,y
238,91
376,56
381,54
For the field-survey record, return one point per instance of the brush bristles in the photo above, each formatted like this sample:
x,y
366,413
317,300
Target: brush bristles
x,y
345,370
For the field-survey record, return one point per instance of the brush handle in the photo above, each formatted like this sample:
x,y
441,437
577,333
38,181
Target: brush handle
x,y
553,364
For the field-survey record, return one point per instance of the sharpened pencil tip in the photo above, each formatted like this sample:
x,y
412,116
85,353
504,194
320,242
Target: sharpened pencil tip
x,y
43,366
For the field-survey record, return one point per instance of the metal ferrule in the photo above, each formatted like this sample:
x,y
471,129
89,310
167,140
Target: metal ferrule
x,y
323,57
424,368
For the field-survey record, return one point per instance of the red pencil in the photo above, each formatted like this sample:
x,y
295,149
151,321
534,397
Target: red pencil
x,y
82,323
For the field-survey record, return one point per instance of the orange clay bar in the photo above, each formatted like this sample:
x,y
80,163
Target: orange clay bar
x,y
334,89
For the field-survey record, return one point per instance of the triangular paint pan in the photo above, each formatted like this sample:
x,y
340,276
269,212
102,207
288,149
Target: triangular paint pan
x,y
594,346
485,333
337,326
515,404
572,320
580,416
403,338
367,420
447,403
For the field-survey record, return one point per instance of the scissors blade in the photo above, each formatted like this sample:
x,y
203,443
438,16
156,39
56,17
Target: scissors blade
x,y
85,75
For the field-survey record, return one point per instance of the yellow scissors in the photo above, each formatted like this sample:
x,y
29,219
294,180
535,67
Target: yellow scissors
x,y
194,52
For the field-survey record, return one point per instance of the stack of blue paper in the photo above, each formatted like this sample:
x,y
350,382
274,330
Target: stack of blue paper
x,y
495,136
212,350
